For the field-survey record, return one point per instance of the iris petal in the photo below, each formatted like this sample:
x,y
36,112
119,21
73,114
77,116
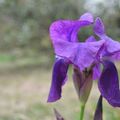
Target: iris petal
x,y
58,79
96,72
90,39
112,48
96,69
67,29
81,55
99,28
109,84
87,17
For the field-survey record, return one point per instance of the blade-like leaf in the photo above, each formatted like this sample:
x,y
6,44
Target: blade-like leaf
x,y
99,110
58,115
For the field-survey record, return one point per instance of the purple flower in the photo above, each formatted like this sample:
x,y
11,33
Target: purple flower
x,y
63,34
108,82
90,54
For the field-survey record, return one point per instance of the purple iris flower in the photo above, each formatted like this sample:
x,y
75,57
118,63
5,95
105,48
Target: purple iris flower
x,y
108,82
93,53
62,33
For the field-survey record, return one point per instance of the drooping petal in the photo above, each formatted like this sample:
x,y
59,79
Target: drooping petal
x,y
87,17
109,84
58,79
66,30
99,28
99,110
81,55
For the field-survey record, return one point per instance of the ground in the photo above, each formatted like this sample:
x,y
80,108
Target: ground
x,y
23,96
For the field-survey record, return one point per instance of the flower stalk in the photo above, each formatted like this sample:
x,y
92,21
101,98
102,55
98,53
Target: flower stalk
x,y
82,109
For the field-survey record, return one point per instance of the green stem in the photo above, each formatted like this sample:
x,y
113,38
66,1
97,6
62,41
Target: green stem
x,y
82,107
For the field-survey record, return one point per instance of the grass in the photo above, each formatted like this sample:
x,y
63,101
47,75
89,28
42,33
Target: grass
x,y
6,58
23,96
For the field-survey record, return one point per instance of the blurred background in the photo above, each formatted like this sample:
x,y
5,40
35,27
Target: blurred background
x,y
26,57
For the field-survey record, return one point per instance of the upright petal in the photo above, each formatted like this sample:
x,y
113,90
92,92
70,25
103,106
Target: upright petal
x,y
99,28
112,47
87,17
109,84
67,30
90,39
58,79
97,68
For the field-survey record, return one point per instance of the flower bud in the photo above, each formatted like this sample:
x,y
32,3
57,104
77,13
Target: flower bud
x,y
83,83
